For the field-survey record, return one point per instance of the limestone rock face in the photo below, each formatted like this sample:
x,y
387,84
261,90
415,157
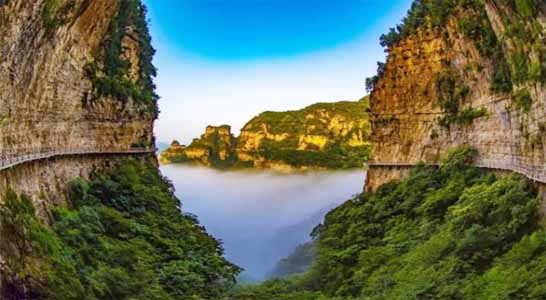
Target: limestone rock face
x,y
48,98
406,113
281,140
214,147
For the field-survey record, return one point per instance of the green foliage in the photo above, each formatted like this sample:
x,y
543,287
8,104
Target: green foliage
x,y
453,232
315,120
425,13
450,96
527,62
214,143
296,122
111,77
36,265
296,263
434,233
466,116
515,274
501,81
48,13
275,289
372,81
522,100
526,7
458,158
54,13
123,238
524,27
526,36
334,156
475,25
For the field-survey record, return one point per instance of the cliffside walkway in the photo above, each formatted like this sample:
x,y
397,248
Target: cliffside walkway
x,y
9,160
533,172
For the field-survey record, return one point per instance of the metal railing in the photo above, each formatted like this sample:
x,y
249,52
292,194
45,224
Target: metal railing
x,y
533,172
9,159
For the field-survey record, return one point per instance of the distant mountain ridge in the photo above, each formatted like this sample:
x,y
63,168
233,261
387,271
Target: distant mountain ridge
x,y
322,135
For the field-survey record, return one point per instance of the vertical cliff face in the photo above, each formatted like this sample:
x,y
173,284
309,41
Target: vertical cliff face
x,y
76,77
74,74
477,79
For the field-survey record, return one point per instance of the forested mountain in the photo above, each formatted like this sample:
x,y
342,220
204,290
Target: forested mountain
x,y
323,135
453,132
448,232
84,212
461,94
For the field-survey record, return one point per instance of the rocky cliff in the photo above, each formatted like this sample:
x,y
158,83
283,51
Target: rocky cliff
x,y
74,74
466,73
214,148
84,210
323,135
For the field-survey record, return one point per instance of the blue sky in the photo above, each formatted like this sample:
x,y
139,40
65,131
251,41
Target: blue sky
x,y
225,61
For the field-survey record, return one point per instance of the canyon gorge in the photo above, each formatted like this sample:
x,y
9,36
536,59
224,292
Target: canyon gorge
x,y
452,137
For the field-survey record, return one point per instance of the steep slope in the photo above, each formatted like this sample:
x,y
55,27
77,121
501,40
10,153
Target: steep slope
x,y
459,72
448,232
463,72
296,263
323,135
73,75
84,211
122,237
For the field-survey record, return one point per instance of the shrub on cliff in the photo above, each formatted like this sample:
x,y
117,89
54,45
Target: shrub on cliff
x,y
110,70
517,56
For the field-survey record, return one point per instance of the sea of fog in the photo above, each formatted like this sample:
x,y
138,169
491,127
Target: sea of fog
x,y
260,215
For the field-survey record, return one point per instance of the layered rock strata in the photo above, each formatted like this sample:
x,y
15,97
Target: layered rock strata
x,y
407,116
50,98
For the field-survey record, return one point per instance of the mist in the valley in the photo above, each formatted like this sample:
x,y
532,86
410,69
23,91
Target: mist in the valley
x,y
260,215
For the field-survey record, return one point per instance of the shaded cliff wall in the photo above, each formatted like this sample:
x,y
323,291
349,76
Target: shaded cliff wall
x,y
48,96
47,180
407,117
379,175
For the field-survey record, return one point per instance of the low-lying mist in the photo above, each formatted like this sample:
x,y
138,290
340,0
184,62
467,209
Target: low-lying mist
x,y
260,215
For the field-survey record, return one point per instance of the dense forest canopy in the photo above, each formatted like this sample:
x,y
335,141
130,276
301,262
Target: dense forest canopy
x,y
122,236
449,232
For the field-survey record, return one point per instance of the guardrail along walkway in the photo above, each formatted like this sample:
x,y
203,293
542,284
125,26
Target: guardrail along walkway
x,y
11,159
533,172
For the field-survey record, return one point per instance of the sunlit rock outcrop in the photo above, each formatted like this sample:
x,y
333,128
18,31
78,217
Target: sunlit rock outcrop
x,y
444,86
323,135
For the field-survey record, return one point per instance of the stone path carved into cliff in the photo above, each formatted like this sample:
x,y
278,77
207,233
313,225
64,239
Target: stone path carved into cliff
x,y
9,160
533,172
